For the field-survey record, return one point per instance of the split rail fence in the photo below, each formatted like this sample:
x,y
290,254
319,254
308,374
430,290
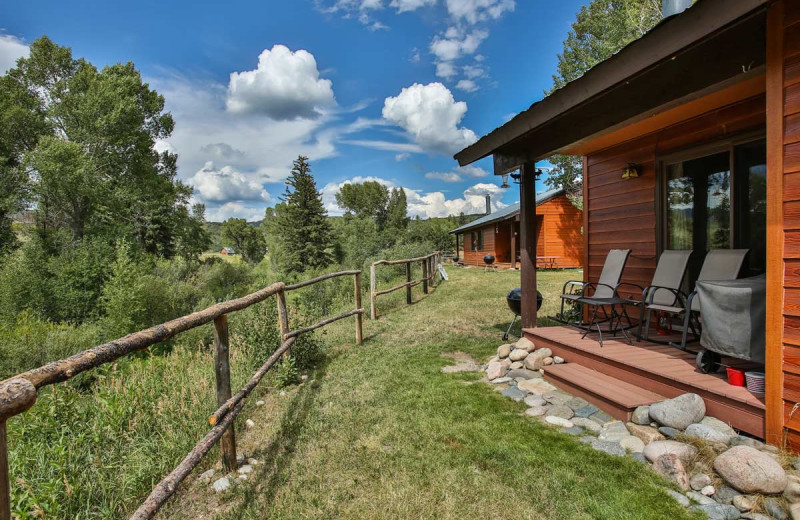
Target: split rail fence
x,y
429,266
18,394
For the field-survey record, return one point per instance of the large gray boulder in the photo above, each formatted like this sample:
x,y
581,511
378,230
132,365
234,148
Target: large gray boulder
x,y
718,511
518,354
641,416
703,431
751,471
495,370
679,412
503,351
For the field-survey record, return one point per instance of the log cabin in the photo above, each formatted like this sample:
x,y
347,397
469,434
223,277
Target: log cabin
x,y
558,222
708,100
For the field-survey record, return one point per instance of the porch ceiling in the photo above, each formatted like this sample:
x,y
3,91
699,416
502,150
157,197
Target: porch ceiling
x,y
714,43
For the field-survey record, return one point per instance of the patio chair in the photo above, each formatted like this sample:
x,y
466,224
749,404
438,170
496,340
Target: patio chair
x,y
664,289
719,264
575,291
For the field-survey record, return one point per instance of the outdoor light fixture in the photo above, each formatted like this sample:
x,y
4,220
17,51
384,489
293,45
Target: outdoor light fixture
x,y
631,171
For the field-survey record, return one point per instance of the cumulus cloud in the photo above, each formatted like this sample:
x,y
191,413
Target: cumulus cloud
x,y
226,184
222,151
446,177
474,11
456,43
430,116
234,210
403,6
330,190
402,156
467,85
11,49
285,86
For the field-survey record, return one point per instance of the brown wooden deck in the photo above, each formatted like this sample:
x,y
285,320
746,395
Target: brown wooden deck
x,y
619,376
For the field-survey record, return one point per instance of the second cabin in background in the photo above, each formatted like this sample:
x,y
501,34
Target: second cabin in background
x,y
559,243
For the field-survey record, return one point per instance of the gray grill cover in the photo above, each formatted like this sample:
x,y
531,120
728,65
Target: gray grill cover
x,y
734,317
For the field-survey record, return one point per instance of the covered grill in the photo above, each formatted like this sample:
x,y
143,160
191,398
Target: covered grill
x,y
514,301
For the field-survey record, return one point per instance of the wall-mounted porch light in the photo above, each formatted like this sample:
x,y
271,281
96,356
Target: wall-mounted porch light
x,y
631,171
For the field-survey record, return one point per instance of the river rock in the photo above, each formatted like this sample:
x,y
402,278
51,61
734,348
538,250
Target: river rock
x,y
775,509
518,354
206,476
536,411
792,491
742,503
706,432
708,491
699,498
671,467
679,498
646,434
250,424
725,494
503,351
515,393
655,449
501,380
547,361
565,412
586,411
524,373
222,485
535,359
632,444
601,417
495,370
525,344
586,424
699,481
612,448
641,415
614,431
558,360
669,433
577,402
751,471
741,440
558,421
535,400
557,397
718,511
679,412
536,386
516,365
755,516
718,425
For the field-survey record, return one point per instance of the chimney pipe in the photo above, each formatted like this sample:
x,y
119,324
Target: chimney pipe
x,y
488,204
671,7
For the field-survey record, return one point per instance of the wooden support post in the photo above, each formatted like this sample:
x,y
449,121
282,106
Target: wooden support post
x,y
527,215
222,370
408,281
357,283
373,298
425,275
513,247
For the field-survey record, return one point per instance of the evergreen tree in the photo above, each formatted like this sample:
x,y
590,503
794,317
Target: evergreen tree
x,y
397,209
303,230
601,29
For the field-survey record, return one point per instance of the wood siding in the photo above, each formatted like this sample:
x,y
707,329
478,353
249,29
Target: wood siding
x,y
559,224
783,203
622,213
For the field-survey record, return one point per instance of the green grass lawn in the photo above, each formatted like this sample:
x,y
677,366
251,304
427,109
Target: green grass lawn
x,y
380,432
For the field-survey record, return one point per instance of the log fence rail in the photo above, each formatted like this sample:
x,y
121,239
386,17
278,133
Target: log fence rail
x,y
429,265
18,393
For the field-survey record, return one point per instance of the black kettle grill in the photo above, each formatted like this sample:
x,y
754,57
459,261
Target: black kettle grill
x,y
514,301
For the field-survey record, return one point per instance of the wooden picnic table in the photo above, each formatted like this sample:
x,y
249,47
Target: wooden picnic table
x,y
548,262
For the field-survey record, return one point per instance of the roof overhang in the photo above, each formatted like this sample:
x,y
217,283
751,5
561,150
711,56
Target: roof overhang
x,y
710,46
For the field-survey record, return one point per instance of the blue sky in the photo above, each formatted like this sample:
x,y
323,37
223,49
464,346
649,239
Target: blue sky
x,y
383,89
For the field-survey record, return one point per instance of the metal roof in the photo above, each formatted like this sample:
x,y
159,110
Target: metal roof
x,y
508,211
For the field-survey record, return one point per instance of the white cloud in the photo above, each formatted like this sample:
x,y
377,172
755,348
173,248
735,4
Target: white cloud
x,y
457,175
388,146
234,210
330,190
403,6
455,43
467,85
11,49
285,86
227,184
474,11
446,70
474,71
430,115
402,156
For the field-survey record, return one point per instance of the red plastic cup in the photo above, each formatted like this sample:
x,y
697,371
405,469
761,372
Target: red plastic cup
x,y
735,377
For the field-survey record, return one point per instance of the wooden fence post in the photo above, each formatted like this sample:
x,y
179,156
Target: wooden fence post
x,y
373,285
222,370
425,275
357,282
408,281
283,317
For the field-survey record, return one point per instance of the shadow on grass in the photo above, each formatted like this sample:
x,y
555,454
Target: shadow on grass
x,y
278,454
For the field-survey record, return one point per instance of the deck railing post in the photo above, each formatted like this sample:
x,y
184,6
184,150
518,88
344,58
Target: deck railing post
x,y
425,275
408,281
357,283
222,369
373,286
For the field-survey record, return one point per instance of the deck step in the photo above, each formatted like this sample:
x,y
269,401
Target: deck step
x,y
612,395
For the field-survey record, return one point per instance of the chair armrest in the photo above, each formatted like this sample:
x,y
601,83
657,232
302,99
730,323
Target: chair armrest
x,y
653,289
579,283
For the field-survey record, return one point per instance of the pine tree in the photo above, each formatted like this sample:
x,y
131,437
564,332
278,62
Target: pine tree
x,y
303,230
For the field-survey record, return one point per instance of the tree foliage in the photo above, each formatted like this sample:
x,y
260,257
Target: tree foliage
x,y
246,239
601,29
302,229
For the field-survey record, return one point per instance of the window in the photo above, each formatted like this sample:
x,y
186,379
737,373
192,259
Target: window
x,y
718,201
476,239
